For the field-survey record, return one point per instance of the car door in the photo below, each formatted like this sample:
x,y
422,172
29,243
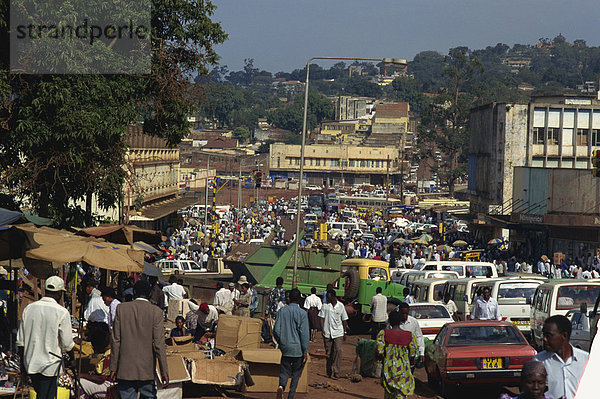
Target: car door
x,y
576,328
435,356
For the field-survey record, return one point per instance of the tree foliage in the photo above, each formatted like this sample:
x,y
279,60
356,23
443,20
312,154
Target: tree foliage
x,y
320,108
62,137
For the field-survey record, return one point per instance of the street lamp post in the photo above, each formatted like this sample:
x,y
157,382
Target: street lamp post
x,y
394,61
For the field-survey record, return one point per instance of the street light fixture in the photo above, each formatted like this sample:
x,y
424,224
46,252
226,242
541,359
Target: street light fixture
x,y
393,61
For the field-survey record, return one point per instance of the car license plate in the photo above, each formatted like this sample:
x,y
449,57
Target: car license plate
x,y
491,363
521,322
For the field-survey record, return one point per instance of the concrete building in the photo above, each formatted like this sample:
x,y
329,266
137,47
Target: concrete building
x,y
530,177
150,194
549,132
348,108
557,211
334,164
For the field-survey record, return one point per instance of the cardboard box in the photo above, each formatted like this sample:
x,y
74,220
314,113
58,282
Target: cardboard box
x,y
237,332
264,367
558,258
222,370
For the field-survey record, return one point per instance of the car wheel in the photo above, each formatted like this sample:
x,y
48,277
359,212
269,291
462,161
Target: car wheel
x,y
444,388
430,379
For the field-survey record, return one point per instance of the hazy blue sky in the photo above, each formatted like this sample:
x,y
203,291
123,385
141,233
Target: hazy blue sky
x,y
282,34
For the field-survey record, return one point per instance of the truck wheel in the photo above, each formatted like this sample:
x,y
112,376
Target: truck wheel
x,y
351,285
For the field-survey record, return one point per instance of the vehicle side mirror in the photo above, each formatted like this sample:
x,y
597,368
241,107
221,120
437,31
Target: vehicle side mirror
x,y
583,308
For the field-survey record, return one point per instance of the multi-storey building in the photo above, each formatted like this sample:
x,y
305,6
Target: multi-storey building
x,y
549,132
334,164
529,173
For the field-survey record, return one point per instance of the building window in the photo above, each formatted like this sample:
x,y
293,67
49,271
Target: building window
x,y
311,162
317,162
344,163
362,163
538,135
332,162
553,133
290,160
583,137
376,164
595,137
352,163
297,161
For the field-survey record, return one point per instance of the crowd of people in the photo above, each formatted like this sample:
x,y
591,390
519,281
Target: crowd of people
x,y
118,332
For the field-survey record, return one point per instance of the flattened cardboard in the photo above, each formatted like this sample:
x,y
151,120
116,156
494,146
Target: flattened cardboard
x,y
237,332
178,371
264,367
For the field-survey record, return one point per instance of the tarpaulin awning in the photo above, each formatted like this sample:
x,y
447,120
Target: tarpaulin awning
x,y
8,216
151,270
104,255
145,247
123,234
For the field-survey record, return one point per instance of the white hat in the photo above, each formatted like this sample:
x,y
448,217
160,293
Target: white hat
x,y
55,283
243,280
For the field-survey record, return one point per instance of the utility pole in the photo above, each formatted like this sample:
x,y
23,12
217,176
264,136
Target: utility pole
x,y
387,181
206,193
402,144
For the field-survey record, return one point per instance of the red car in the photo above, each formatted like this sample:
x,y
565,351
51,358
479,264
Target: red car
x,y
476,351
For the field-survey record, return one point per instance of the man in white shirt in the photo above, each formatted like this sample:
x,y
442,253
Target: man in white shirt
x,y
563,362
407,297
174,290
379,315
110,300
486,307
45,332
335,326
409,323
450,306
223,299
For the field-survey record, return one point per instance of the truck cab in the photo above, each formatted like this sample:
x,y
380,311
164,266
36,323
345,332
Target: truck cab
x,y
361,279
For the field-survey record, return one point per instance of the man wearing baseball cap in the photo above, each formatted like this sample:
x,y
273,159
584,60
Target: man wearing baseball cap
x,y
44,333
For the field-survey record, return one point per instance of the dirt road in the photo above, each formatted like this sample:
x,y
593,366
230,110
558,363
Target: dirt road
x,y
368,388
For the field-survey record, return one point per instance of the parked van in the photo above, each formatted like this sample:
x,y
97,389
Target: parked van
x,y
557,298
514,296
464,268
168,267
464,291
409,277
310,218
346,227
428,289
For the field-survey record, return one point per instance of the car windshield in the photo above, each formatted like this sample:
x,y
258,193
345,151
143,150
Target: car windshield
x,y
514,293
484,335
572,296
478,271
428,312
454,268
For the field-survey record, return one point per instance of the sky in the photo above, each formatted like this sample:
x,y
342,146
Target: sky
x,y
281,35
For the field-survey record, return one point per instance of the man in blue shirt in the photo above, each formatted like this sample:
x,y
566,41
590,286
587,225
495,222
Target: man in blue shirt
x,y
292,333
